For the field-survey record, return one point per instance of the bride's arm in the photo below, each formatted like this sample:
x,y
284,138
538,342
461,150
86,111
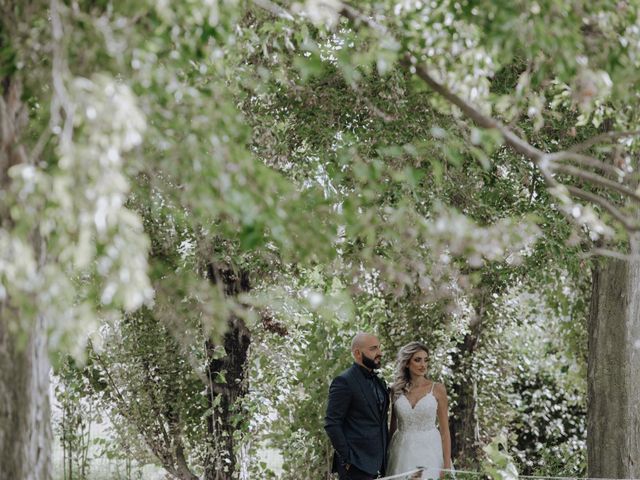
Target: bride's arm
x,y
443,423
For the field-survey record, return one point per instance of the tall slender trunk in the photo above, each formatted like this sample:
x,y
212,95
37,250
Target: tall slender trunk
x,y
226,379
463,424
25,430
613,417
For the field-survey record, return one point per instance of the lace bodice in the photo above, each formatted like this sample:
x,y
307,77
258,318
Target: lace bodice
x,y
420,418
416,442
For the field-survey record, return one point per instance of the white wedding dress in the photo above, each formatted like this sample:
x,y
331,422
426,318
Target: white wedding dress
x,y
416,442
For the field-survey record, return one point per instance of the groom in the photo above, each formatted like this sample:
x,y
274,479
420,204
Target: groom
x,y
356,419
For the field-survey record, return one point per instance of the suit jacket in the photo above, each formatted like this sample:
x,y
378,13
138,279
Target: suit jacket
x,y
355,424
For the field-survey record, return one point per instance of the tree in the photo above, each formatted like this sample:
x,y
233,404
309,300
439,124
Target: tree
x,y
613,331
226,379
588,85
228,191
378,144
52,234
273,143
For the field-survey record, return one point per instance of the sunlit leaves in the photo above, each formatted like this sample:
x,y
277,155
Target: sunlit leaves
x,y
77,210
298,144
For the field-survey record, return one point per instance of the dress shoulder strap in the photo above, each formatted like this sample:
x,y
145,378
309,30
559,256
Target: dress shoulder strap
x,y
433,384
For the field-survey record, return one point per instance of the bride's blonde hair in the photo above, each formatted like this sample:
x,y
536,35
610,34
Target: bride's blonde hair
x,y
401,378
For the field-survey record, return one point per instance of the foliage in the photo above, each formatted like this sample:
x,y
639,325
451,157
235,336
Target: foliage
x,y
296,141
149,385
545,405
72,392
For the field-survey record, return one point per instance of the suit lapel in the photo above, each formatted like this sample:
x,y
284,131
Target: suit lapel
x,y
366,390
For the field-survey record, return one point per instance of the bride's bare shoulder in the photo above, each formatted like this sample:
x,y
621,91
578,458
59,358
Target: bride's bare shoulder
x,y
439,389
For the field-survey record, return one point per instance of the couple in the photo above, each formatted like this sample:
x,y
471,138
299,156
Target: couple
x,y
357,411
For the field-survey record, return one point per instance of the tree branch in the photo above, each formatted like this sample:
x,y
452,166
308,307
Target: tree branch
x,y
125,407
606,205
274,9
545,162
611,254
596,179
385,117
37,150
60,102
482,120
601,138
515,142
585,161
355,16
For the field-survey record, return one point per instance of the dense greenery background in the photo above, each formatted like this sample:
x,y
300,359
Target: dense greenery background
x,y
284,172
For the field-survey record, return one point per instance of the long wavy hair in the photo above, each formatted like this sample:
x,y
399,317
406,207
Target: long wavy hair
x,y
401,377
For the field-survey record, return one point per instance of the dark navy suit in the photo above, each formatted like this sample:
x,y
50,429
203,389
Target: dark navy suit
x,y
356,422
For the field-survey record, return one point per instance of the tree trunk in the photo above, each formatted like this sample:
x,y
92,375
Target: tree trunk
x,y
463,423
613,418
25,430
226,380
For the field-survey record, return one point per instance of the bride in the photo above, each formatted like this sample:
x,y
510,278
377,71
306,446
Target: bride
x,y
417,401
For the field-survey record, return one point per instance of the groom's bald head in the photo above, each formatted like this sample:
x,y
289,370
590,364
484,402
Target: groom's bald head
x,y
366,345
361,339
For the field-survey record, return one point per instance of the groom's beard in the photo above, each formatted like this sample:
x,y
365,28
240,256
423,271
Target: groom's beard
x,y
370,362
